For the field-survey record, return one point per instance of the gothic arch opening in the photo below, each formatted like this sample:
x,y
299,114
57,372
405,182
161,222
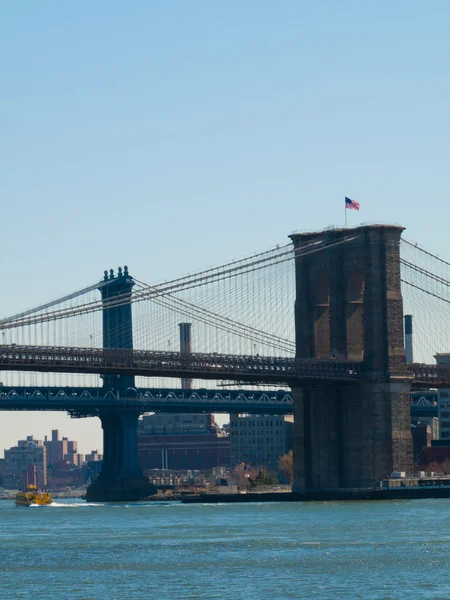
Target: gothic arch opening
x,y
354,315
322,316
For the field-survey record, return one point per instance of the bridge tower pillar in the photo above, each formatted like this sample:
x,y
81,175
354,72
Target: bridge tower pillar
x,y
117,321
121,478
349,307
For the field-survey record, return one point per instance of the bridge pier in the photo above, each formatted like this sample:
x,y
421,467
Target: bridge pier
x,y
121,478
349,307
350,437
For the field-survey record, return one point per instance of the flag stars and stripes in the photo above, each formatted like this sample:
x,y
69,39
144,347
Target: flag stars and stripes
x,y
352,204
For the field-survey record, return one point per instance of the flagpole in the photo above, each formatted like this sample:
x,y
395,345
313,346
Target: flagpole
x,y
345,210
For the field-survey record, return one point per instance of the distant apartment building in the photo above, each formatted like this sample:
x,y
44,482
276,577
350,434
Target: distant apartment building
x,y
442,358
260,440
27,453
443,401
62,450
444,414
94,456
168,424
182,442
421,439
56,448
432,422
77,460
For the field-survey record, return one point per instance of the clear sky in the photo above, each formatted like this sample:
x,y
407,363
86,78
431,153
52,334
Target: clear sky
x,y
171,136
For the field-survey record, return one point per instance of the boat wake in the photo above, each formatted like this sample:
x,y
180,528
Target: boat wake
x,y
109,504
69,504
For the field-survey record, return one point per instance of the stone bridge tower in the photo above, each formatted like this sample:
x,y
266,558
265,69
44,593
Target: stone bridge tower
x,y
349,306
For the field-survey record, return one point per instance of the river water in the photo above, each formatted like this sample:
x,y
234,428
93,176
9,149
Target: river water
x,y
327,550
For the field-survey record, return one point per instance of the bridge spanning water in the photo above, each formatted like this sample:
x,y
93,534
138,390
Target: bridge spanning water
x,y
322,315
82,402
92,401
248,369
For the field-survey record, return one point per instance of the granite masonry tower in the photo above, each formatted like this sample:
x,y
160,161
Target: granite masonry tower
x,y
349,307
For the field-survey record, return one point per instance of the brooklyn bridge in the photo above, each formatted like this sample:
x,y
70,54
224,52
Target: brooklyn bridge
x,y
313,327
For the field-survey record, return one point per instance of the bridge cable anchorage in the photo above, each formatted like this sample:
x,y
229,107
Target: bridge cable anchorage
x,y
169,287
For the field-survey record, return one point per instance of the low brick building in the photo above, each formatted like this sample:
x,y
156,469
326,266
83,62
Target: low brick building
x,y
182,442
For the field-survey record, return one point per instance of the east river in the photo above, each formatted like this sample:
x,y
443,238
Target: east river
x,y
330,550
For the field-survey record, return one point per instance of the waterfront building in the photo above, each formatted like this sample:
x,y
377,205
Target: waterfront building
x,y
442,358
260,440
182,442
444,414
421,438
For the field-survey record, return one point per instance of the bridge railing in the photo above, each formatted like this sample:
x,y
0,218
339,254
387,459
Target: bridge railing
x,y
212,366
142,362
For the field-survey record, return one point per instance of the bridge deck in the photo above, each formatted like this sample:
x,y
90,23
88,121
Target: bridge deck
x,y
251,369
174,364
85,401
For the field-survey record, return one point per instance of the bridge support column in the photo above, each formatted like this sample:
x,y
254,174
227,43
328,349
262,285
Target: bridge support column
x,y
349,307
350,437
121,478
318,443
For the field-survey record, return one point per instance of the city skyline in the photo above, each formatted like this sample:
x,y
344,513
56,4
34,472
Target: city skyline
x,y
48,437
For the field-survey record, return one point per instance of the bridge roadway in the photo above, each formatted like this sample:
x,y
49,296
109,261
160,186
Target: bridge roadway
x,y
89,401
85,401
250,369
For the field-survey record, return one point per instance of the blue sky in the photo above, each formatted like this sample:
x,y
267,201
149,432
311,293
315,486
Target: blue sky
x,y
174,136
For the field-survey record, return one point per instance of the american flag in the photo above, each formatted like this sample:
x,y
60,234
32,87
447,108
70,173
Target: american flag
x,y
352,204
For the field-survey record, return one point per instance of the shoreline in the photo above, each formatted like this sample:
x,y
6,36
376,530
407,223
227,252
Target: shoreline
x,y
321,496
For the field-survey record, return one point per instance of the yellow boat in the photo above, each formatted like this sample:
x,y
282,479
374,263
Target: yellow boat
x,y
32,496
